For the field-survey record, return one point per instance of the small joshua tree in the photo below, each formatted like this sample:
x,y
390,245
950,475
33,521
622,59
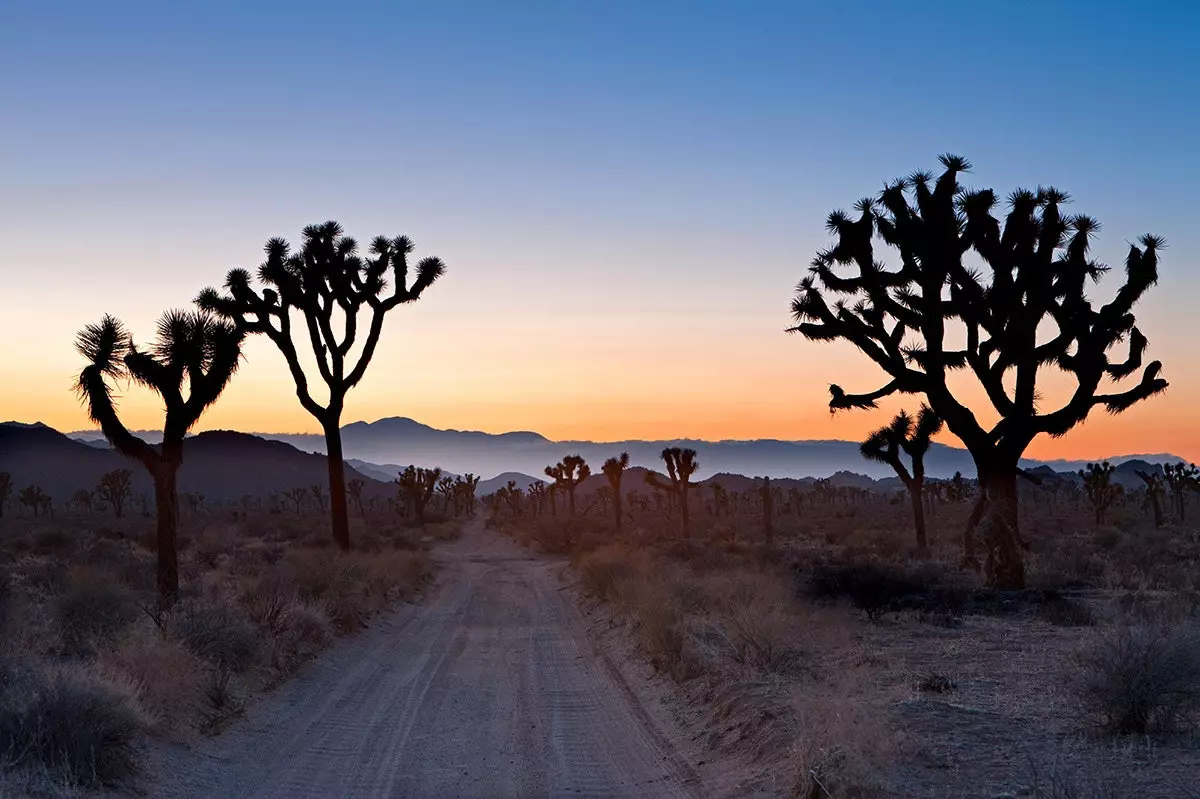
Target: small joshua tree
x,y
445,487
1101,492
614,470
464,492
355,489
296,496
567,474
767,500
910,437
115,488
34,498
418,485
325,276
1024,313
191,347
1154,494
6,488
681,465
1181,477
84,500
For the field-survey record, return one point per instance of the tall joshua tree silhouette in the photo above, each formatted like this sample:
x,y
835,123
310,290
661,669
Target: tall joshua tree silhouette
x,y
681,465
567,474
912,438
325,280
1025,311
614,470
191,346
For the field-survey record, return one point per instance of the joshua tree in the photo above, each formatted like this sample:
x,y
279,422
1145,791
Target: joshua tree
x,y
1154,494
614,470
84,499
1101,492
6,488
1181,478
115,489
318,495
297,496
567,474
1024,312
681,465
418,485
325,276
34,498
190,346
355,488
911,437
768,511
464,492
445,487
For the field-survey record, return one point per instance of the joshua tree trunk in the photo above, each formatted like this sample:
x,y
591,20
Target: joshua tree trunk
x,y
571,497
337,483
1004,567
768,504
970,560
617,508
916,489
167,508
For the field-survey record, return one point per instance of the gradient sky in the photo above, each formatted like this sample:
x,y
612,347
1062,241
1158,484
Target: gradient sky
x,y
625,192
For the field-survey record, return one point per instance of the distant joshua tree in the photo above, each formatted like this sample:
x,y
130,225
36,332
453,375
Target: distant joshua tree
x,y
1154,494
83,499
567,474
325,276
681,465
114,489
911,437
190,346
1101,491
464,492
1008,323
37,500
445,487
614,470
355,489
418,485
1181,478
296,496
6,489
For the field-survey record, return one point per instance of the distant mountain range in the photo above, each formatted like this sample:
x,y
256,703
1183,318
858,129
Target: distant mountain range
x,y
225,466
403,441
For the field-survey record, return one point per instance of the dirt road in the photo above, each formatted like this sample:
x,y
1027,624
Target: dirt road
x,y
488,688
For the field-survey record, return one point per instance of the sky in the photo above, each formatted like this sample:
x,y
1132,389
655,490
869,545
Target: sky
x,y
624,193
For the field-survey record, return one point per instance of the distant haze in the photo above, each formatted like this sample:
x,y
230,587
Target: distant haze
x,y
386,446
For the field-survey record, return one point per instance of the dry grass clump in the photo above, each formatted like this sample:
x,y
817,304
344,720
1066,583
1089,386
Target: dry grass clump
x,y
79,727
841,749
1141,677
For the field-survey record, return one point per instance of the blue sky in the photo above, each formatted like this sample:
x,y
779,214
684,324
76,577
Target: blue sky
x,y
630,189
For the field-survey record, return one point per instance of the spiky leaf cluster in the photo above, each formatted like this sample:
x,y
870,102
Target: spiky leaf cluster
x,y
1037,265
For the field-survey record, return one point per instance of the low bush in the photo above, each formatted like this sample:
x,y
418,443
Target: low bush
x,y
218,634
601,571
1138,678
73,724
93,608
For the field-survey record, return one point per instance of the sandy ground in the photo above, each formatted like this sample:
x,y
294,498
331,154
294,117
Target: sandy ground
x,y
489,687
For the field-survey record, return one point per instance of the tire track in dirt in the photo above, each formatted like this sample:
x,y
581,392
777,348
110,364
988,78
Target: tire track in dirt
x,y
489,688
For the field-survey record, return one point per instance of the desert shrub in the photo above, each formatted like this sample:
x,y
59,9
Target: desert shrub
x,y
44,574
93,608
1136,678
601,571
877,588
1065,612
73,724
53,541
761,639
218,634
268,598
306,631
169,678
